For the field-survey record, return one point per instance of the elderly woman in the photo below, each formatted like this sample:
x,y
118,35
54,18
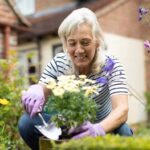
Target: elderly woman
x,y
83,45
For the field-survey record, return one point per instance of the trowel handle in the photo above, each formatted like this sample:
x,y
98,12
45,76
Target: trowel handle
x,y
39,114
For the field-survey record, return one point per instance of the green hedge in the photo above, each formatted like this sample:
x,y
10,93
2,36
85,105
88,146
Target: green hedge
x,y
100,143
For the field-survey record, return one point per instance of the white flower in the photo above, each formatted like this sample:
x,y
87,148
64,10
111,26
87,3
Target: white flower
x,y
61,84
89,81
72,84
58,91
90,90
82,76
62,78
78,83
71,88
51,84
72,77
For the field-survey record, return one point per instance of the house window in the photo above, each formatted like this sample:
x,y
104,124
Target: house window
x,y
29,65
27,7
32,71
57,48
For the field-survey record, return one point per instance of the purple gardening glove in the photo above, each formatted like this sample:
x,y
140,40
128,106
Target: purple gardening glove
x,y
87,129
33,99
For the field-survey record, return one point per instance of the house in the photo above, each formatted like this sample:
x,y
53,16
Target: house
x,y
11,22
124,35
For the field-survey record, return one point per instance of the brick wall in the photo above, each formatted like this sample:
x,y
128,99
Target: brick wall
x,y
45,4
124,21
146,33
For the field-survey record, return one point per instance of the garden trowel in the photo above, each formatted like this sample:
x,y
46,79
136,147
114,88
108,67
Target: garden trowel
x,y
49,130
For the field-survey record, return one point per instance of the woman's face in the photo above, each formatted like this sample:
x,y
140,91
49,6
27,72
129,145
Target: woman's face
x,y
81,46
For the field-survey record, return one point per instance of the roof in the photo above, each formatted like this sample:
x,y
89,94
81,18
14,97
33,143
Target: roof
x,y
48,23
10,16
18,14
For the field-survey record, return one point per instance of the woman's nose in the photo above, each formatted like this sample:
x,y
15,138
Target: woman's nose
x,y
79,48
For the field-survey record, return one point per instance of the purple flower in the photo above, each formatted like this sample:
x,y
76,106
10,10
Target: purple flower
x,y
109,65
147,45
102,80
142,12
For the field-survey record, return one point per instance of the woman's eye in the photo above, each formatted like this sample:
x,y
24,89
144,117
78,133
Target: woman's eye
x,y
85,43
72,44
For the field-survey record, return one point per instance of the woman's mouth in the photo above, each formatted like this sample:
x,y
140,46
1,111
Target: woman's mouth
x,y
81,57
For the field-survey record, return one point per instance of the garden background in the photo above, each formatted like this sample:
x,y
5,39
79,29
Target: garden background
x,y
28,40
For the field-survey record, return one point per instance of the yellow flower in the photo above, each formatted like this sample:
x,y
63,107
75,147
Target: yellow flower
x,y
4,101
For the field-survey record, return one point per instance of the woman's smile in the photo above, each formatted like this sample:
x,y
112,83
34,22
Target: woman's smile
x,y
81,57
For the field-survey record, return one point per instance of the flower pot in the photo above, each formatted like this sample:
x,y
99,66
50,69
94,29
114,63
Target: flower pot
x,y
47,144
44,144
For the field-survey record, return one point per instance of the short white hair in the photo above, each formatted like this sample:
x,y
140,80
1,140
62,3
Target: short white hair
x,y
76,18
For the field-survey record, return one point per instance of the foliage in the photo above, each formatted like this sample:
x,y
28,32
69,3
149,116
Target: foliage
x,y
71,99
147,96
143,131
107,142
10,91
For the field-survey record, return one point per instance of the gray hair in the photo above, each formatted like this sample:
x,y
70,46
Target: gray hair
x,y
72,21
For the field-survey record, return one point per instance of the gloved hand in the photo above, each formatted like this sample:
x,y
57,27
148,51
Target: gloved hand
x,y
88,129
33,99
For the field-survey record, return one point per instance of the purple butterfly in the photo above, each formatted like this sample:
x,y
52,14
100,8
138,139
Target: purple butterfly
x,y
142,12
147,45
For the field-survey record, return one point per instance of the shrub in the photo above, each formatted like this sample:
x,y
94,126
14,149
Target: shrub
x,y
10,90
147,96
103,143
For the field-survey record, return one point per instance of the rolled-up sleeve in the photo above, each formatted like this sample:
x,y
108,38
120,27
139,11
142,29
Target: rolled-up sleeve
x,y
50,71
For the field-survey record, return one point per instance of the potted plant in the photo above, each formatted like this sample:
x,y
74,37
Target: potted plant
x,y
71,100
